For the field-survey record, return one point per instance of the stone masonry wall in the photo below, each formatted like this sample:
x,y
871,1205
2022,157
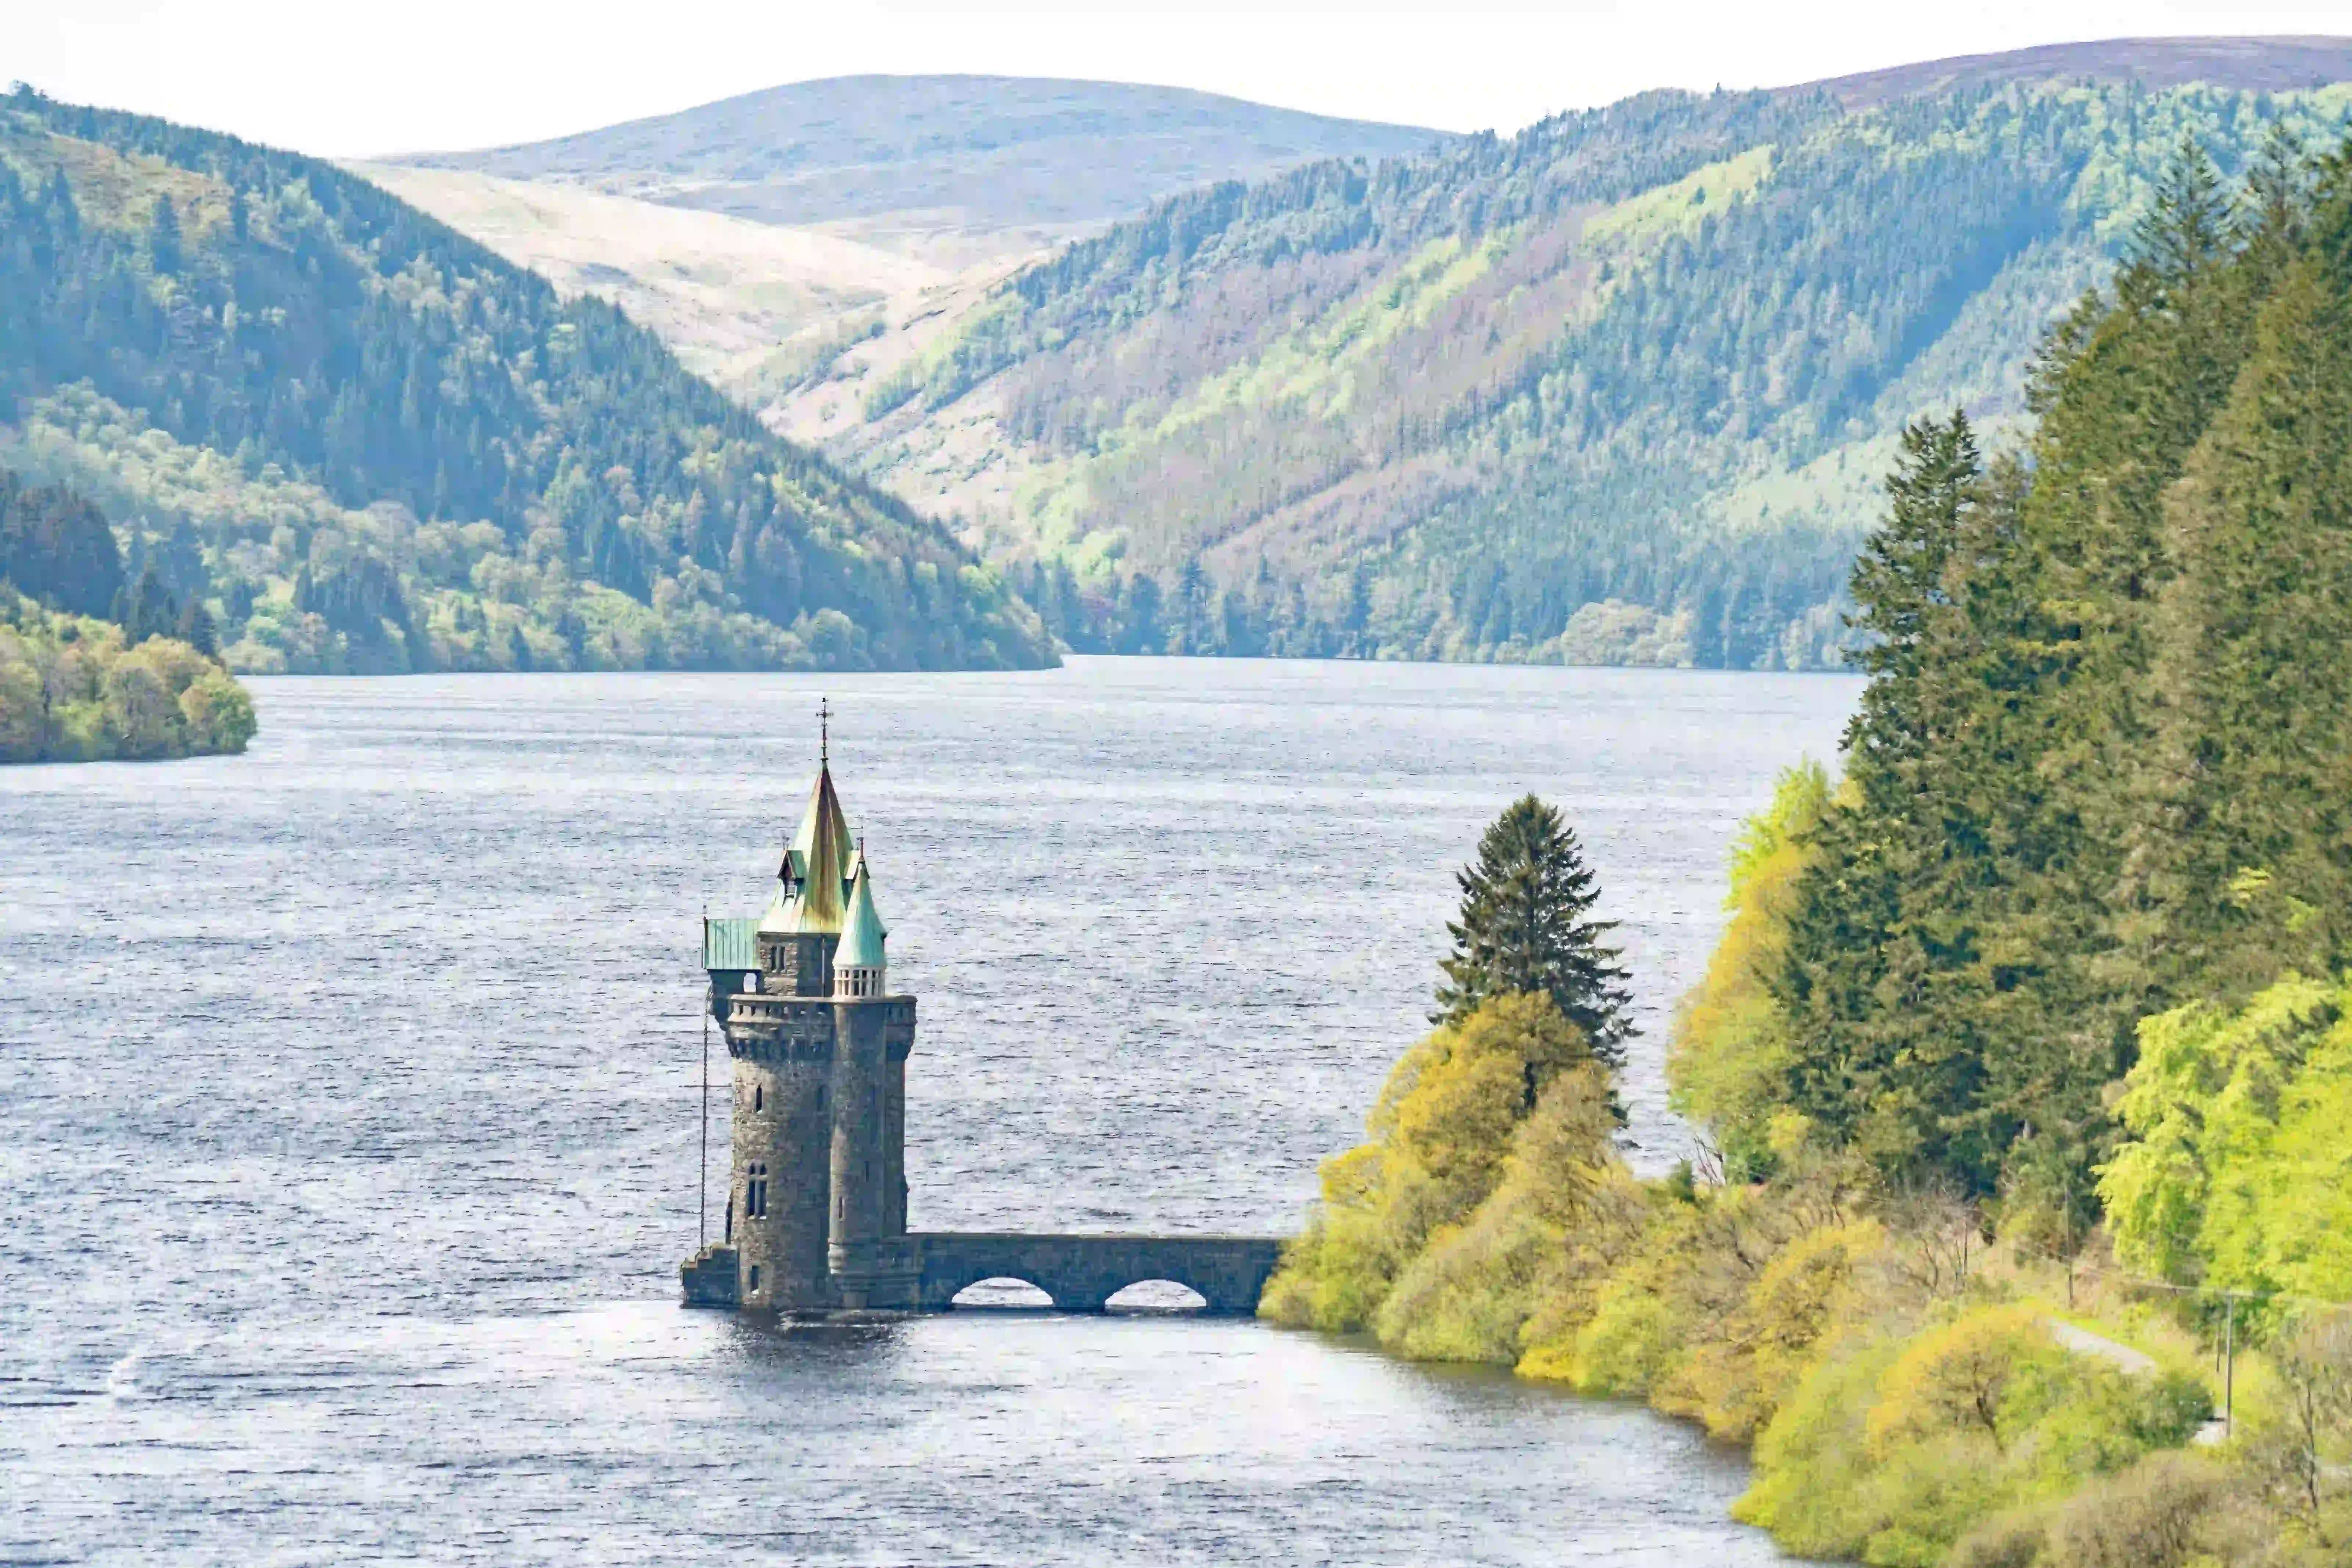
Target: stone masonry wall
x,y
782,1122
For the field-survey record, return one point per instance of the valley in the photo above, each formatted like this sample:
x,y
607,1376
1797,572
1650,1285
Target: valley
x,y
1617,389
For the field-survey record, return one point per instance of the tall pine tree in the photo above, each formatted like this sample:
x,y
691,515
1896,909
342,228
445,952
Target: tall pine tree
x,y
1527,927
1886,962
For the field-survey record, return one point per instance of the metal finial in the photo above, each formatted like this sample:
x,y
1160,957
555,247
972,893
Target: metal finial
x,y
824,732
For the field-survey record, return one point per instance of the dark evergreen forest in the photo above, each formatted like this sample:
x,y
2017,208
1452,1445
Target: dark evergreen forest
x,y
57,548
2099,771
319,335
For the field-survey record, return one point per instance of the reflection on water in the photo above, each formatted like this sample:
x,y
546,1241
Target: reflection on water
x,y
348,1131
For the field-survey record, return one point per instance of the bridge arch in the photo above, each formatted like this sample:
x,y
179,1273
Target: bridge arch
x,y
1002,1292
1156,1298
1082,1273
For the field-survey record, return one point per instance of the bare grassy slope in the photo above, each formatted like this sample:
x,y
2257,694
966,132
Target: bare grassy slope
x,y
725,292
971,153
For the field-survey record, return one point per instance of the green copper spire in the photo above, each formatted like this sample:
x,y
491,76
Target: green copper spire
x,y
821,826
815,869
863,931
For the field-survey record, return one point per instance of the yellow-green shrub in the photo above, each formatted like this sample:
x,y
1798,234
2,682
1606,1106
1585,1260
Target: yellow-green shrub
x,y
1627,1346
71,691
1470,1291
1725,1062
1737,1377
1896,1448
1814,1462
1442,1134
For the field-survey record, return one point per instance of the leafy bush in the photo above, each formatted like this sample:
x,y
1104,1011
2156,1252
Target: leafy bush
x,y
1445,1130
2155,1514
1729,1057
72,691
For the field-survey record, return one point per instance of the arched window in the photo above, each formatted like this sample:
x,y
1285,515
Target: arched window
x,y
758,1097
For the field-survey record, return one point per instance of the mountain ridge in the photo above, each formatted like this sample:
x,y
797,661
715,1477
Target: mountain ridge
x,y
368,444
2249,63
1029,156
1617,388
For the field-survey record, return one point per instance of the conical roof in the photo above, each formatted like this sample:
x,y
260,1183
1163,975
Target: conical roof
x,y
815,867
862,930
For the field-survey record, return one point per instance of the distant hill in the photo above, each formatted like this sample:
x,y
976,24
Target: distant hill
x,y
2248,65
1620,388
363,442
972,165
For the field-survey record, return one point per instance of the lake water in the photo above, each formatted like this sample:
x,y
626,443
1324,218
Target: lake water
x,y
348,1126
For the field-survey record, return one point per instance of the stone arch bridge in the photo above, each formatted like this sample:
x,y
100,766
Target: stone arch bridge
x,y
1081,1273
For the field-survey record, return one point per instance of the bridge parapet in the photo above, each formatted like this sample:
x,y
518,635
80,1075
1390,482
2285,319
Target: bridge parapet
x,y
1082,1273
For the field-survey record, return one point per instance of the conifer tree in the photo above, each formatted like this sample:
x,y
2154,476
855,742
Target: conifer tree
x,y
163,237
1526,927
2247,845
194,627
1885,957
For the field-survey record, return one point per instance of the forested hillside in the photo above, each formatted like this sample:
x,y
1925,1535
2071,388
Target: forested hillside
x,y
1616,389
75,687
2026,1060
2098,771
364,443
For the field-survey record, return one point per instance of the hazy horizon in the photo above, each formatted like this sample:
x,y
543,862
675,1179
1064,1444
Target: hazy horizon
x,y
276,72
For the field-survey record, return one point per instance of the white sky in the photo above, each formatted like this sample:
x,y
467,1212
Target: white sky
x,y
333,78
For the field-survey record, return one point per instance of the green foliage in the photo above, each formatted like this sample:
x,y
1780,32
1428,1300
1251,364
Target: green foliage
x,y
1526,927
75,689
2169,1509
2094,772
1894,1449
56,547
2237,1172
2300,1447
1509,1098
1885,968
1728,1063
294,324
1532,399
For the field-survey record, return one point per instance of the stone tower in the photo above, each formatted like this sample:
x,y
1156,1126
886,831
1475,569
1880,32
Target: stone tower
x,y
816,1208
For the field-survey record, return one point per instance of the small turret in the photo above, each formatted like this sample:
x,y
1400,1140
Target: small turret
x,y
858,964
